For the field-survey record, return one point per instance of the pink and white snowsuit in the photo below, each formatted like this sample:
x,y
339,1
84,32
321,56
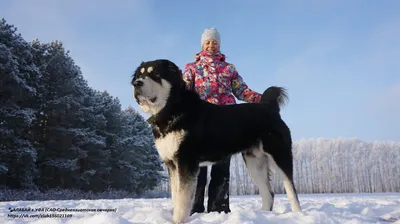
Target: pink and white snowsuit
x,y
217,81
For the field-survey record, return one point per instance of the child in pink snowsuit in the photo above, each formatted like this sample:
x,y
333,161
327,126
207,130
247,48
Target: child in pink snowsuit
x,y
217,82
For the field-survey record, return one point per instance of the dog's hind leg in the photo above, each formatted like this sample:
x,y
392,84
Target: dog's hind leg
x,y
282,162
277,145
257,165
284,170
185,180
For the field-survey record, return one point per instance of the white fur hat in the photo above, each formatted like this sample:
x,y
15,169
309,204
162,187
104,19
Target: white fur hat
x,y
210,34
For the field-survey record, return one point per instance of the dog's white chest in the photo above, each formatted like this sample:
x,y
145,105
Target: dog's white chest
x,y
169,144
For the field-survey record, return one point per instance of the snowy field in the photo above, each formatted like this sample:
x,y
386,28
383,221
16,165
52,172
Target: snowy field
x,y
321,208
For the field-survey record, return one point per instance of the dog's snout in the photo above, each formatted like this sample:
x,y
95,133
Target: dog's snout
x,y
137,83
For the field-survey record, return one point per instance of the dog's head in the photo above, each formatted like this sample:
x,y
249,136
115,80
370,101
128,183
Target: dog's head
x,y
153,82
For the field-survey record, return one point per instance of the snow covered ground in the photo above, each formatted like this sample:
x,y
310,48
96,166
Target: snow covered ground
x,y
321,208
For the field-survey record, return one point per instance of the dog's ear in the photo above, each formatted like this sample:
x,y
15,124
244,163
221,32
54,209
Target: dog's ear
x,y
177,74
172,67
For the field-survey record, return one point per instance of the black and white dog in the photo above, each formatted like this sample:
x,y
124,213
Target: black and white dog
x,y
190,133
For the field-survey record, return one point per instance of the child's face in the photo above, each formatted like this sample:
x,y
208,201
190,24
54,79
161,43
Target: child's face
x,y
211,46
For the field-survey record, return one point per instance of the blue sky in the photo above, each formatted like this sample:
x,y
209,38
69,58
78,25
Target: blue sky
x,y
338,59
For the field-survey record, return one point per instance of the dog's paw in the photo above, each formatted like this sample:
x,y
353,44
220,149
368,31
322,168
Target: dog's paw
x,y
180,218
178,221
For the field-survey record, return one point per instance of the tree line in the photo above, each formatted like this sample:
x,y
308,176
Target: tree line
x,y
322,165
58,132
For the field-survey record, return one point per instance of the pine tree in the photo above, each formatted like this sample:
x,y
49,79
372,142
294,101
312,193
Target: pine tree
x,y
102,120
136,164
18,84
57,132
58,128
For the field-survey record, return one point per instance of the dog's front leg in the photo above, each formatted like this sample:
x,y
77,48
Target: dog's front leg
x,y
172,172
185,180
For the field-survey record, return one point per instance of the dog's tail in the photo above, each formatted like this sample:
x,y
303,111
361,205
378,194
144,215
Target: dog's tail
x,y
276,96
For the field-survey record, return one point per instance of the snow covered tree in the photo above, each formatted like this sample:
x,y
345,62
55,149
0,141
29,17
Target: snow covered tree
x,y
57,132
136,164
18,88
333,166
58,127
104,124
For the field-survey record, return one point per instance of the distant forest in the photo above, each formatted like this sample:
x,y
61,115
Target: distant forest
x,y
329,166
